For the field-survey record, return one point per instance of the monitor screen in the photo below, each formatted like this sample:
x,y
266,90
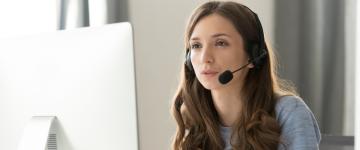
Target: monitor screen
x,y
85,77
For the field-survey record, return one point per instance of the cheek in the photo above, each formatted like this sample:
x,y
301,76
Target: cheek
x,y
241,57
234,59
195,62
197,71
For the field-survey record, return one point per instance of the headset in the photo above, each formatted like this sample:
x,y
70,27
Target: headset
x,y
257,51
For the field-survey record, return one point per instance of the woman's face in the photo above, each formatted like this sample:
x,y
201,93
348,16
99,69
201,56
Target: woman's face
x,y
216,46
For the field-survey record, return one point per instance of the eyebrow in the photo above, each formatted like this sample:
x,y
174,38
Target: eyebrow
x,y
213,36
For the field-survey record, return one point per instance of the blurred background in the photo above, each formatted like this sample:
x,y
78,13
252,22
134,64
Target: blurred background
x,y
314,41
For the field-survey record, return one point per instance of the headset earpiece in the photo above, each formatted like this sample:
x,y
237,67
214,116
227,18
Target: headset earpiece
x,y
188,60
258,50
257,55
259,60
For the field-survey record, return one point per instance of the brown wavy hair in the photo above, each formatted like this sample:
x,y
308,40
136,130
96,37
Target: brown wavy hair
x,y
198,124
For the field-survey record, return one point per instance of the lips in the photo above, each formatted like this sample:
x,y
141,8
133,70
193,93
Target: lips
x,y
209,72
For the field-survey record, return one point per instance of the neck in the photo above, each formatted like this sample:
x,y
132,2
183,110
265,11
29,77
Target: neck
x,y
227,102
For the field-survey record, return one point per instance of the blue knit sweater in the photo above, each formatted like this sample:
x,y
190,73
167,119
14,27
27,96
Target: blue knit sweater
x,y
299,128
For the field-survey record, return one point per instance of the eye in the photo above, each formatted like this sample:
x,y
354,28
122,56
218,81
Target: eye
x,y
221,43
195,46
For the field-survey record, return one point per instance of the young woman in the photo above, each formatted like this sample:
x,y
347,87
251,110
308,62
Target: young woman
x,y
230,96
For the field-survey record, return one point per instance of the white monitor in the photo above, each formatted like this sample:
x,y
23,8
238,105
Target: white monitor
x,y
84,77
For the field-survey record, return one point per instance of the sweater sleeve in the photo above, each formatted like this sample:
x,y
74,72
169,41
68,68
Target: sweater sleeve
x,y
299,128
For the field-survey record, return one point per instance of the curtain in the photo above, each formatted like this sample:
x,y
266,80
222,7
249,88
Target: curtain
x,y
82,13
310,40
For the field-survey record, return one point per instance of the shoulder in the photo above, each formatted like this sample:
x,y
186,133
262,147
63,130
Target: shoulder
x,y
294,108
298,124
287,104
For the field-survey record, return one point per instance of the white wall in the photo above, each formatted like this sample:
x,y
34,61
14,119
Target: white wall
x,y
159,27
349,109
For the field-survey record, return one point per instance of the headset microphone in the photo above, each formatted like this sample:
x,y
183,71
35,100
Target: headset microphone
x,y
227,75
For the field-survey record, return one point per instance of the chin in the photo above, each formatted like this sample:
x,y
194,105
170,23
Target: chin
x,y
210,85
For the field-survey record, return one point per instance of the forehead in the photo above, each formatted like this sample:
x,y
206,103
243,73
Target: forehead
x,y
214,24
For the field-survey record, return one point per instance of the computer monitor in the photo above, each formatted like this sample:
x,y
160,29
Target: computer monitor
x,y
84,77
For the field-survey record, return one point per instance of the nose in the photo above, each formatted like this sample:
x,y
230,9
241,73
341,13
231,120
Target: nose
x,y
207,56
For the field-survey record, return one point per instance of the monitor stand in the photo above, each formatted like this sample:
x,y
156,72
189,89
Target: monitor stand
x,y
39,134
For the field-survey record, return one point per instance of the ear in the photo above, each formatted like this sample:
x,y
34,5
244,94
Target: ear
x,y
251,65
